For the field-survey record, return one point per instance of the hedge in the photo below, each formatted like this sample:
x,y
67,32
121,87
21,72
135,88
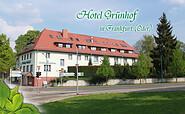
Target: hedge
x,y
90,71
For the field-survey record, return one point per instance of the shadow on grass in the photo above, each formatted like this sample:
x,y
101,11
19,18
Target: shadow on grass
x,y
132,103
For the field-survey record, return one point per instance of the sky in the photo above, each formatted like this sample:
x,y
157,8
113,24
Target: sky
x,y
19,16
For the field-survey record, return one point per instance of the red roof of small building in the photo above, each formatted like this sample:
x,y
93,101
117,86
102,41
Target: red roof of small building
x,y
44,42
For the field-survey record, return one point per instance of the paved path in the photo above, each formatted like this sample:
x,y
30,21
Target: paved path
x,y
45,95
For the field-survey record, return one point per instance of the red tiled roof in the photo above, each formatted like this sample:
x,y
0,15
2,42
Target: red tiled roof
x,y
44,42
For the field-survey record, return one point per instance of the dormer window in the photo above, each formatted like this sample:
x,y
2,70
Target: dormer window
x,y
113,44
104,43
108,43
71,38
123,45
103,49
130,52
88,41
59,37
60,45
77,39
117,44
68,46
113,50
51,36
97,42
93,48
121,51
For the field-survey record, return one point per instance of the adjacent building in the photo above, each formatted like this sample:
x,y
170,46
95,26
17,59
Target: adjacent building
x,y
52,50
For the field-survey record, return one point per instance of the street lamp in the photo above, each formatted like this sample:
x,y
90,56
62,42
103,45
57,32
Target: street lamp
x,y
46,68
161,65
76,67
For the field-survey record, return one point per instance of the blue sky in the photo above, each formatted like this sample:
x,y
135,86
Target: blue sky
x,y
17,17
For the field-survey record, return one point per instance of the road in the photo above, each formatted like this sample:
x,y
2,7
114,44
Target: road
x,y
45,95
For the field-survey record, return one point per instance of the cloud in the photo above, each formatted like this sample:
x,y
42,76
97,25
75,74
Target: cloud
x,y
13,31
179,2
24,14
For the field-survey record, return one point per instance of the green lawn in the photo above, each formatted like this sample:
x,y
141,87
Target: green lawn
x,y
115,103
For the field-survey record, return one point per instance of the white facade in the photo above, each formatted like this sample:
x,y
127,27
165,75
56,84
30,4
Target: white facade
x,y
58,60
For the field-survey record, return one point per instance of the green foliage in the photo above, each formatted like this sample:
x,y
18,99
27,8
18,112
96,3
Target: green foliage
x,y
7,57
127,73
90,61
118,70
105,70
11,102
177,65
90,71
145,45
166,43
25,39
181,46
140,68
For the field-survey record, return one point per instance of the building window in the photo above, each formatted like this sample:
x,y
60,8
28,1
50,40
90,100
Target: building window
x,y
24,57
27,56
68,46
130,52
113,50
79,57
133,61
51,36
116,60
125,61
30,55
103,49
77,39
95,58
20,68
23,68
93,48
71,38
59,37
70,56
60,45
61,62
48,55
27,68
121,51
86,57
83,47
48,68
31,68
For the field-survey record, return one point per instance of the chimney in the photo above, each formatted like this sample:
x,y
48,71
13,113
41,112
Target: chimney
x,y
65,33
91,39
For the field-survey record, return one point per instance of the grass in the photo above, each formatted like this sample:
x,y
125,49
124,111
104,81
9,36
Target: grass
x,y
117,103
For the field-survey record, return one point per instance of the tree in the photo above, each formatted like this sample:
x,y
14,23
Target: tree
x,y
105,70
145,45
7,57
23,40
177,65
166,43
90,61
181,46
140,68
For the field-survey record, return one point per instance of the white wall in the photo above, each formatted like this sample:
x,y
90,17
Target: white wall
x,y
121,82
38,59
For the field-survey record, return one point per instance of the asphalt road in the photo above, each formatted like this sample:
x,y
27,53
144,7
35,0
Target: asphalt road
x,y
45,95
